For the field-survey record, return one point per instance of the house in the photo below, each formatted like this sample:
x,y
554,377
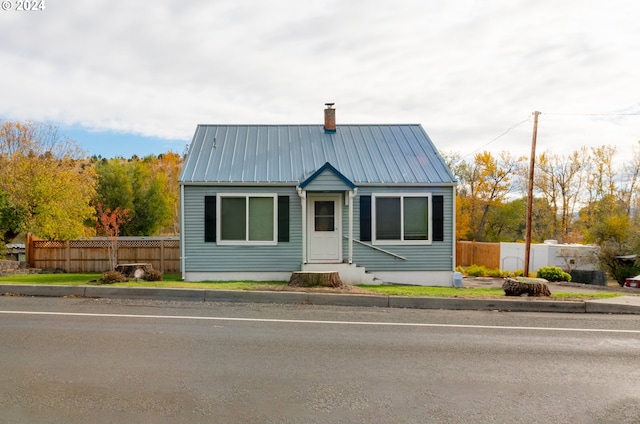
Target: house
x,y
374,202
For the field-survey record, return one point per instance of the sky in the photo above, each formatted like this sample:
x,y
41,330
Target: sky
x,y
123,77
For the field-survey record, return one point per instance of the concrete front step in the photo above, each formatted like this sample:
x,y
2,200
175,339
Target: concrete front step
x,y
349,273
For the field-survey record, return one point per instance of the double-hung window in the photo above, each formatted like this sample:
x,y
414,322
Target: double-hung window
x,y
247,219
401,218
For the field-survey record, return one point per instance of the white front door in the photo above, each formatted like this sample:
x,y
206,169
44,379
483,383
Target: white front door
x,y
324,227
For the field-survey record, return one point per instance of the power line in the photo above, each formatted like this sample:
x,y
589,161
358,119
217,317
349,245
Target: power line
x,y
592,114
546,113
498,137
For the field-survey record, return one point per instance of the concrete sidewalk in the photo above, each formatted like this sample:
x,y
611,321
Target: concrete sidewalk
x,y
620,305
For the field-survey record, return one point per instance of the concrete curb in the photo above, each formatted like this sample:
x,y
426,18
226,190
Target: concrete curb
x,y
243,296
42,290
144,293
348,300
624,305
487,304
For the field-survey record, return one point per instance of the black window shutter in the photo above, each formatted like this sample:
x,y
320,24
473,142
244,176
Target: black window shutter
x,y
365,218
283,218
210,218
438,217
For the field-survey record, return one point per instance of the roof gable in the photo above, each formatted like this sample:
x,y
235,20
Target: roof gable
x,y
378,154
327,168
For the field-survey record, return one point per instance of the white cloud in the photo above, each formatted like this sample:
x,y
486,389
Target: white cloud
x,y
467,70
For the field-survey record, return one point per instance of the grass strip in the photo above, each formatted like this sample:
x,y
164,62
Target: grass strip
x,y
173,281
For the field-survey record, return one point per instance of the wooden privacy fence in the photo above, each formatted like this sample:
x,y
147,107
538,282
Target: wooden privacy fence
x,y
163,253
478,253
91,255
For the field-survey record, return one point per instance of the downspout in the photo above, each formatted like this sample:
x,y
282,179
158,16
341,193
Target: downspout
x,y
303,203
182,235
453,235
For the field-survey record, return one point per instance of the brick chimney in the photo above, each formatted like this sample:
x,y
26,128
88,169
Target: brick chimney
x,y
329,117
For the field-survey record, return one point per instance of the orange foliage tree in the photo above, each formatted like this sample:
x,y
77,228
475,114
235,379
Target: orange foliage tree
x,y
109,222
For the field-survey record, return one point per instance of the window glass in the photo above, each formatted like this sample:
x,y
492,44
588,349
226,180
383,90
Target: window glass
x,y
401,218
233,218
388,218
324,211
261,218
416,218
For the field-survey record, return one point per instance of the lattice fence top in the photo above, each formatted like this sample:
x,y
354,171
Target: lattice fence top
x,y
87,244
105,243
148,243
47,244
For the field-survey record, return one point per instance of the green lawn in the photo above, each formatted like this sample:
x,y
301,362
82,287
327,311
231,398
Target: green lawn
x,y
61,279
173,281
170,281
480,292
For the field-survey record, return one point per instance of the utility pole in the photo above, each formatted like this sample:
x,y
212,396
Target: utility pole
x,y
532,162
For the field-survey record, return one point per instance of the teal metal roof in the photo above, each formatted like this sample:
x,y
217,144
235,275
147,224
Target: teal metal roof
x,y
387,154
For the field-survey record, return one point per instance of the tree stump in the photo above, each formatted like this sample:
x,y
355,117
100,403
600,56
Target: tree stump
x,y
513,287
315,278
137,271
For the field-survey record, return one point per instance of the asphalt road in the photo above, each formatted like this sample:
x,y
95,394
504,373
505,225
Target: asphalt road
x,y
103,361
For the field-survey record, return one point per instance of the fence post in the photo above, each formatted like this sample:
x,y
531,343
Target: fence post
x,y
162,256
67,256
28,250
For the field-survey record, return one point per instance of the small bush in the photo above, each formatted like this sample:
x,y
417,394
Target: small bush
x,y
483,271
153,275
111,277
476,271
553,273
498,273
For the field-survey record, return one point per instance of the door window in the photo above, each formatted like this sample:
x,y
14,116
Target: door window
x,y
324,215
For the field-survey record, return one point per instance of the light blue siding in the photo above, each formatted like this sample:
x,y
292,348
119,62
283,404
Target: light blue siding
x,y
201,256
210,257
438,256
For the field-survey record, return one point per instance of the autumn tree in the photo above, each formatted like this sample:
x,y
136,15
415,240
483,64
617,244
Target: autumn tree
x,y
604,215
484,184
169,165
47,181
629,187
506,223
559,179
138,186
109,223
460,169
12,220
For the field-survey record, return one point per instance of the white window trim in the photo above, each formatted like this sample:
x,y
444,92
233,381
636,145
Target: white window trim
x,y
374,230
246,242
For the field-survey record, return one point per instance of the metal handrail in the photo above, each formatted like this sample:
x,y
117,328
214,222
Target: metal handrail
x,y
377,248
